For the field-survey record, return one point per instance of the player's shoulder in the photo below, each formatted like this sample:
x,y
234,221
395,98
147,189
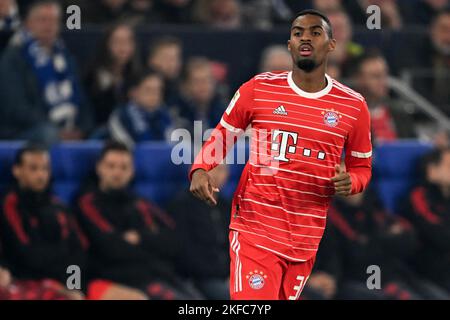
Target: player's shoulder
x,y
345,92
272,76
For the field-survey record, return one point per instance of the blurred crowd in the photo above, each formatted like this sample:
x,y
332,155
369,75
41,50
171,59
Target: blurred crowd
x,y
132,91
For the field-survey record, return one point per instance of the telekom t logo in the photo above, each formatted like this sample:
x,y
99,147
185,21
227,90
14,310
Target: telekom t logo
x,y
284,145
287,144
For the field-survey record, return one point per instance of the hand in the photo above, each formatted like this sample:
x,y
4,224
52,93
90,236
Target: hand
x,y
324,283
202,187
132,236
5,277
342,182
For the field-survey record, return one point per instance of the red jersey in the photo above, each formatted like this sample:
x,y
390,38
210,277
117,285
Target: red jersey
x,y
283,196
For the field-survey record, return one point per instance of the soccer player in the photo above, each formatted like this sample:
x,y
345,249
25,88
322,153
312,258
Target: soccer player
x,y
302,122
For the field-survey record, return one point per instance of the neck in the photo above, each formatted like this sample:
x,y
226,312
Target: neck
x,y
313,81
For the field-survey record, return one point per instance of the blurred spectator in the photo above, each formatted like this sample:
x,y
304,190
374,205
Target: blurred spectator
x,y
327,5
132,241
13,289
334,70
174,11
41,94
222,14
199,99
426,61
257,13
9,15
366,235
422,11
102,11
275,58
41,238
115,64
346,50
145,117
203,233
165,57
428,208
142,12
390,119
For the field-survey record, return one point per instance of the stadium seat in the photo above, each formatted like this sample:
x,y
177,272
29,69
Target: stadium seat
x,y
159,179
395,170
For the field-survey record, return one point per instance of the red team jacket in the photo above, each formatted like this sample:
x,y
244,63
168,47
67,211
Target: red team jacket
x,y
283,196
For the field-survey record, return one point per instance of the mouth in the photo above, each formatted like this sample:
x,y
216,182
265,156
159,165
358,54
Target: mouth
x,y
306,50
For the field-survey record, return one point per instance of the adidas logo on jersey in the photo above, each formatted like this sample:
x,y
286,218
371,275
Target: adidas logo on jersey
x,y
280,110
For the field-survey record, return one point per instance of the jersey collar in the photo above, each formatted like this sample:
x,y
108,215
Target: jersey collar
x,y
310,95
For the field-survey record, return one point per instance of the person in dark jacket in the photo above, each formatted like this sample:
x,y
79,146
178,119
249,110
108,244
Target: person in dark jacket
x,y
115,64
42,97
199,99
42,239
391,118
204,239
133,242
428,208
366,235
145,117
39,235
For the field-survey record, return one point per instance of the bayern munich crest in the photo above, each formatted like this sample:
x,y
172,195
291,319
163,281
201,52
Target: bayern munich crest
x,y
256,279
331,117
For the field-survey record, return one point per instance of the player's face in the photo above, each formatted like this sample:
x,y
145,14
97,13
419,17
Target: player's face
x,y
115,170
34,171
309,43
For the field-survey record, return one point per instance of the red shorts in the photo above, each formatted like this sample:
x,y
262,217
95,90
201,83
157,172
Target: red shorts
x,y
258,274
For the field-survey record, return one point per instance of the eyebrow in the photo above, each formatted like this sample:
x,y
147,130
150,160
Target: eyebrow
x,y
311,27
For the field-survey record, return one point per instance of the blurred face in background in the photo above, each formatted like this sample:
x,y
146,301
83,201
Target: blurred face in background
x,y
33,172
114,4
5,7
277,59
43,22
115,170
326,5
122,45
437,4
440,173
149,93
200,83
225,13
167,60
342,28
373,78
440,34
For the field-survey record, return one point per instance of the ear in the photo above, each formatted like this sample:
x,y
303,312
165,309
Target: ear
x,y
289,45
331,45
